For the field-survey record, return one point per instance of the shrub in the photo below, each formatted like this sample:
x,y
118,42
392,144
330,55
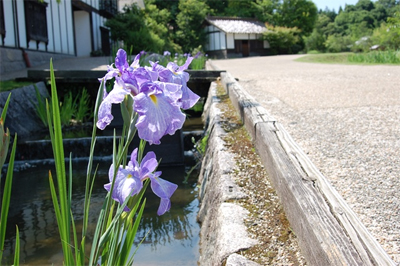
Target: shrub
x,y
387,37
282,39
337,43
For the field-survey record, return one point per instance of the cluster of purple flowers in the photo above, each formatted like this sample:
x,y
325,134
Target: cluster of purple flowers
x,y
159,93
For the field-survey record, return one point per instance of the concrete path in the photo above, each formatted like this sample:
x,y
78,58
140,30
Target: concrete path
x,y
347,119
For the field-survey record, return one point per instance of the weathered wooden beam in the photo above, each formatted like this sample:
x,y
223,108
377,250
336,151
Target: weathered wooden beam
x,y
329,232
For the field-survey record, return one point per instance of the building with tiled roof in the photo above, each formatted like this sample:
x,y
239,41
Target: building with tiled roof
x,y
235,37
33,31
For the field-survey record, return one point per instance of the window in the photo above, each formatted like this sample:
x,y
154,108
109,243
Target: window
x,y
2,25
36,21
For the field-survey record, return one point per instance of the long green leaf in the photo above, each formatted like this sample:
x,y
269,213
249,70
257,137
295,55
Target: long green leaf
x,y
134,231
78,258
4,135
131,231
17,249
58,150
94,252
4,112
6,198
99,99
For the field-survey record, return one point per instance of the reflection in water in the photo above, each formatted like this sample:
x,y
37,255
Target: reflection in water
x,y
171,239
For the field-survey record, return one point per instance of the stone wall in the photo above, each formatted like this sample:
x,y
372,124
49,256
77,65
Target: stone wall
x,y
21,113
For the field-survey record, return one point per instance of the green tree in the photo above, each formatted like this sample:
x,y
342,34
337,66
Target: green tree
x,y
240,8
316,41
364,5
331,14
217,8
265,10
380,13
337,43
282,40
323,28
158,22
390,5
171,6
142,29
386,37
352,18
301,14
131,18
190,32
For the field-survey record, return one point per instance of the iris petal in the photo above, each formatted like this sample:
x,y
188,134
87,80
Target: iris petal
x,y
157,120
117,95
163,189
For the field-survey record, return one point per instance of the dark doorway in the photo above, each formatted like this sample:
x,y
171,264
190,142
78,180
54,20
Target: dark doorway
x,y
245,48
105,41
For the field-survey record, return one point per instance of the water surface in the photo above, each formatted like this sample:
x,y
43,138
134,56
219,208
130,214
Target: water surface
x,y
171,239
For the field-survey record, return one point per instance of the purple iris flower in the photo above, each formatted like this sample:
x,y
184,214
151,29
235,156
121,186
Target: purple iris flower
x,y
162,188
117,95
159,93
158,110
126,82
175,74
129,181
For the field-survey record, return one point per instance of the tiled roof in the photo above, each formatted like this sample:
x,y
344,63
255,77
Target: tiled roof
x,y
237,25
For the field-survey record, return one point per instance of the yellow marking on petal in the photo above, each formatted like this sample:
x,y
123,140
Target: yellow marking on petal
x,y
129,176
153,99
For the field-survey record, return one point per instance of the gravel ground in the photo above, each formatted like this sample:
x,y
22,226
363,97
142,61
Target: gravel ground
x,y
346,118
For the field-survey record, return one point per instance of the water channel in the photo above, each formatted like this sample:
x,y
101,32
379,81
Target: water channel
x,y
171,239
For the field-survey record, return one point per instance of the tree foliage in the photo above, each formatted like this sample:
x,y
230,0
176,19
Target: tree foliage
x,y
177,25
355,28
190,32
266,10
282,39
301,14
388,34
142,29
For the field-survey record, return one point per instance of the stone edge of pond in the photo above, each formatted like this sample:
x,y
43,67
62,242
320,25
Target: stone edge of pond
x,y
328,231
223,232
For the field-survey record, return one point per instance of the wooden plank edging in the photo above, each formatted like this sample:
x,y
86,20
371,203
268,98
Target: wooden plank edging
x,y
329,232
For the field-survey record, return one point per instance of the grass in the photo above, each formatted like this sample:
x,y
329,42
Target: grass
x,y
198,63
77,109
376,57
7,85
339,58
